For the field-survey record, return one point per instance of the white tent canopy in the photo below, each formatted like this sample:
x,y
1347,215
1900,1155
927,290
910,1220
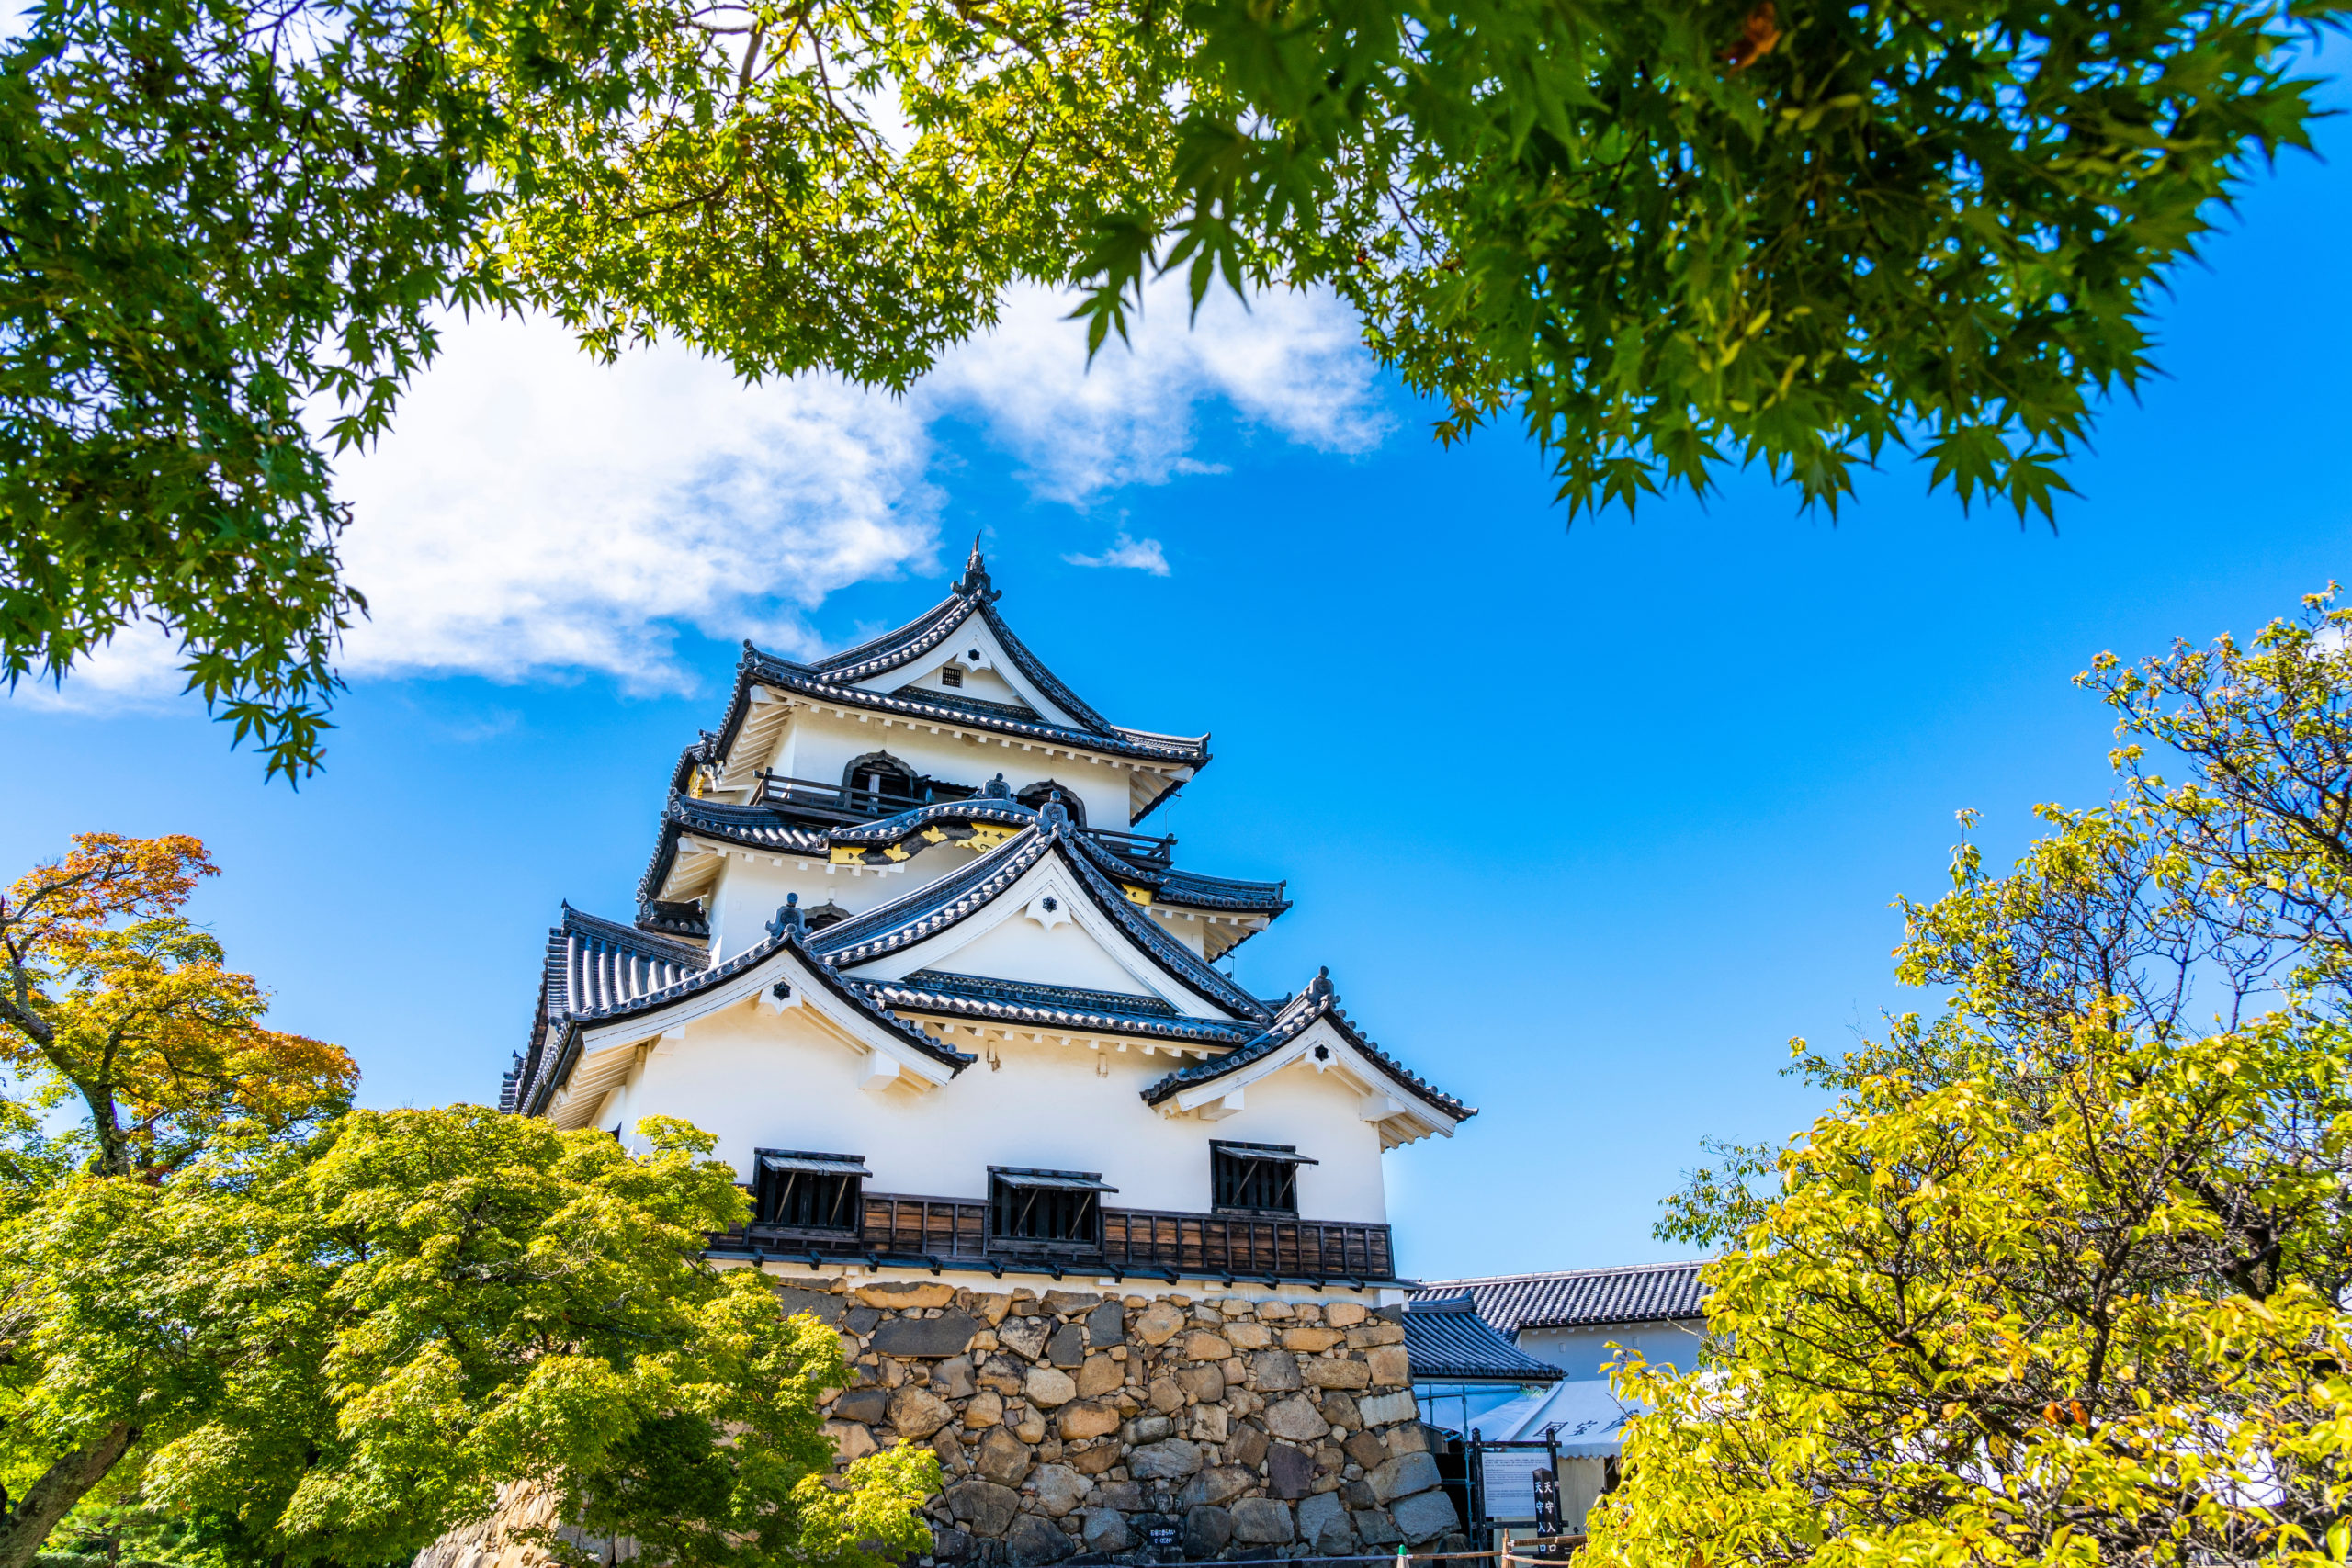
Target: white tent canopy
x,y
1590,1418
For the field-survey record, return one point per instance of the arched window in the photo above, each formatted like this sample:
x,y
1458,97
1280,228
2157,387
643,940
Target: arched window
x,y
878,782
1036,794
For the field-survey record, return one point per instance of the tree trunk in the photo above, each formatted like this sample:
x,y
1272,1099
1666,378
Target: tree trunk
x,y
54,1495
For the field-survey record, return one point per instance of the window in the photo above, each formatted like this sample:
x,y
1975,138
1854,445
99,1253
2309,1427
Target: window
x,y
950,674
1048,1207
881,782
1036,794
801,1190
1258,1179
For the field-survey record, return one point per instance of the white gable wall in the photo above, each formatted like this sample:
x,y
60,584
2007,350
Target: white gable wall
x,y
753,885
761,1079
992,665
1021,949
1025,941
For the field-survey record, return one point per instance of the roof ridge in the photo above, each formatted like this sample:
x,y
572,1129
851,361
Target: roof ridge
x,y
1468,1281
931,623
1009,859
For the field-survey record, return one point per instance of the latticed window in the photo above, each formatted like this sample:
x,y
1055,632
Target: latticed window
x,y
1259,1178
880,783
1047,1206
950,674
803,1191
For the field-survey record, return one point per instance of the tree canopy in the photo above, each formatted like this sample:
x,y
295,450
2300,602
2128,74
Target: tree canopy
x,y
1668,239
322,1334
2060,1277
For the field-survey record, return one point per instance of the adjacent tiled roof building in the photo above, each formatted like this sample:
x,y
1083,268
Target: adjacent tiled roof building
x,y
1581,1298
1449,1342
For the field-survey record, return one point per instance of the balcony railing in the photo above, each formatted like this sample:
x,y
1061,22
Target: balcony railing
x,y
901,1229
843,802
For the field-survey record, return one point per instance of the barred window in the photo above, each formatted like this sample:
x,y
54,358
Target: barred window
x,y
804,1190
1258,1179
1045,1206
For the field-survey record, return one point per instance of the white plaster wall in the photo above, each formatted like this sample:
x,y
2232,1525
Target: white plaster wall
x,y
1020,949
986,684
758,1079
1582,1352
750,889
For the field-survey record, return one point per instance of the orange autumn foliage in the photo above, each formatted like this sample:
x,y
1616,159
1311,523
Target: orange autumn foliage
x,y
109,996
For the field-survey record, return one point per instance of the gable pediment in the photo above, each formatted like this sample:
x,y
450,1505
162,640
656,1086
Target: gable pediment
x,y
1046,928
984,671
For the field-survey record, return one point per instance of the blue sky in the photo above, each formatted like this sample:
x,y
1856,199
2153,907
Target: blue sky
x,y
1585,821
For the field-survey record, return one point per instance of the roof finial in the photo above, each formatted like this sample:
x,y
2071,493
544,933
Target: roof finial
x,y
1320,987
789,921
996,789
1052,815
976,571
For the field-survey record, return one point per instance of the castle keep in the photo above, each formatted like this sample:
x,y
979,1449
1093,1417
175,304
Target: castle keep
x,y
1102,1227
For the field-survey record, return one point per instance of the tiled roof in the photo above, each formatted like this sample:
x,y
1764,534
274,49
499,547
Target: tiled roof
x,y
914,820
599,971
973,596
1050,1006
1187,888
768,828
752,827
1449,1342
944,903
1582,1298
1192,890
835,680
1300,1013
769,669
596,964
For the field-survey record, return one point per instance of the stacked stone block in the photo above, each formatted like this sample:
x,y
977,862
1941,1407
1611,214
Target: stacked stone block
x,y
1080,1424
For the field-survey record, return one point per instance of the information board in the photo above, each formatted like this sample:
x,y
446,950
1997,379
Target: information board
x,y
1508,1476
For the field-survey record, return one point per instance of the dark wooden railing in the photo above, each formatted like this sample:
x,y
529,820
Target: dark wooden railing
x,y
899,1228
845,803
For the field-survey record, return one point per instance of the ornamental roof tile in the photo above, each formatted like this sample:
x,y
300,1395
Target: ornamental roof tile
x,y
1447,1341
1583,1298
1318,1002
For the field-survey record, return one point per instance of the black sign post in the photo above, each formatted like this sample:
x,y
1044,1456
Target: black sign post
x,y
1547,1502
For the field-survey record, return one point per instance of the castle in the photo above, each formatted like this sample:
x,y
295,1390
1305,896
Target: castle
x,y
1102,1227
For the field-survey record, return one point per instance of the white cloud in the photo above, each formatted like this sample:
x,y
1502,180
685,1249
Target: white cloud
x,y
1143,555
139,669
534,513
534,509
1293,362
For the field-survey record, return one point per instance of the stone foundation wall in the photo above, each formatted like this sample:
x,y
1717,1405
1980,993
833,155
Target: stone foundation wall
x,y
1075,1425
